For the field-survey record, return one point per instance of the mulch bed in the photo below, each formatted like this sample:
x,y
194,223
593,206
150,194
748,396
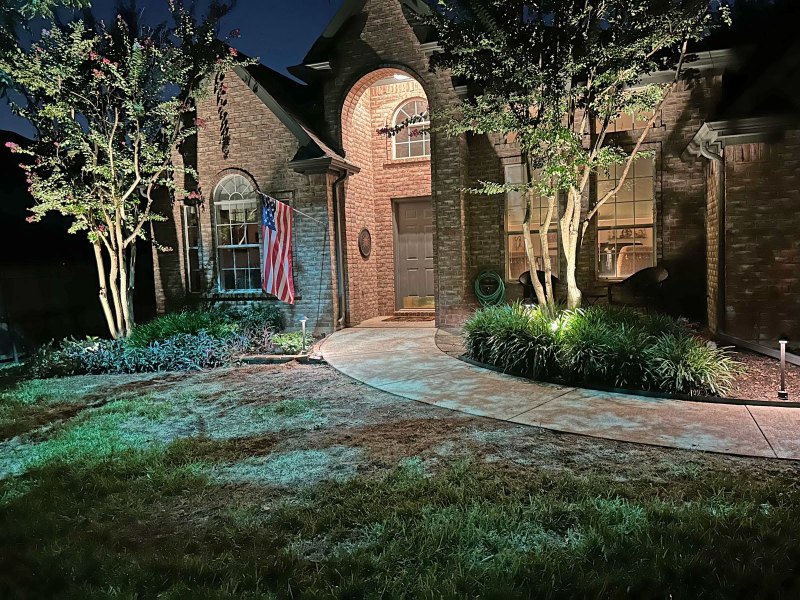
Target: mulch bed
x,y
761,377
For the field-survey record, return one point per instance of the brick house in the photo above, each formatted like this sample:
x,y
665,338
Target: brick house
x,y
387,225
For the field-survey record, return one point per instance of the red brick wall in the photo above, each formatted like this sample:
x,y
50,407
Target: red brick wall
x,y
762,253
259,146
680,194
714,184
381,38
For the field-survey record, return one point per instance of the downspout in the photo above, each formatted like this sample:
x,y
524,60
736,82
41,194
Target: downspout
x,y
705,151
338,209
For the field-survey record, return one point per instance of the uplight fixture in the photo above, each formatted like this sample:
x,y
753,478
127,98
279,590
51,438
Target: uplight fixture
x,y
782,393
303,320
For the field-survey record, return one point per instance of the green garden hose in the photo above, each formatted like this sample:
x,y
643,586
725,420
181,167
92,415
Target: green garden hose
x,y
487,298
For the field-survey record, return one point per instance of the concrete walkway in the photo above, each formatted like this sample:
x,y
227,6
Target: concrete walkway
x,y
407,362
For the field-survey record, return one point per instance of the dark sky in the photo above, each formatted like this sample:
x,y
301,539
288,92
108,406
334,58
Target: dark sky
x,y
279,32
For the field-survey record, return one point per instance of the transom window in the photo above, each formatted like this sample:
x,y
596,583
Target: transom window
x,y
625,233
413,141
516,257
237,227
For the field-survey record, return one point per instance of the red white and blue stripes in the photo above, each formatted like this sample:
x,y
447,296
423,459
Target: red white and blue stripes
x,y
276,230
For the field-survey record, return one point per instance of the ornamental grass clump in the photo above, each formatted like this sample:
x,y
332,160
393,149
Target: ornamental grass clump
x,y
513,338
680,364
600,346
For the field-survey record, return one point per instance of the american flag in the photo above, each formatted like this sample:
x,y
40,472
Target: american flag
x,y
276,230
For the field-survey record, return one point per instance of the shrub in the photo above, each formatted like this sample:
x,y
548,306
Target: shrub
x,y
216,323
257,325
182,352
262,316
292,343
680,363
609,346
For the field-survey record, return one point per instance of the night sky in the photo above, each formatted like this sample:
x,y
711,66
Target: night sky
x,y
279,32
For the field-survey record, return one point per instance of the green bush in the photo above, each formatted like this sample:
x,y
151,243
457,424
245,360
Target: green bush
x,y
292,343
599,345
216,323
251,327
181,341
182,352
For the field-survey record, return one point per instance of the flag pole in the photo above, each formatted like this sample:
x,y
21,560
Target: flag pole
x,y
294,209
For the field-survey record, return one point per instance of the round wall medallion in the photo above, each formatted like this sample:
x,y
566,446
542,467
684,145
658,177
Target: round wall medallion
x,y
365,243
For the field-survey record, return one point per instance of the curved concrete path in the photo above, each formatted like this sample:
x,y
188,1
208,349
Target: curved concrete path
x,y
407,362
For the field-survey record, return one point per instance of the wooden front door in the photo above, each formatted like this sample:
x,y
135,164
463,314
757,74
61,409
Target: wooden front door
x,y
414,254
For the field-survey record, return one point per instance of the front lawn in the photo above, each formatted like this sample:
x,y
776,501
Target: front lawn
x,y
294,481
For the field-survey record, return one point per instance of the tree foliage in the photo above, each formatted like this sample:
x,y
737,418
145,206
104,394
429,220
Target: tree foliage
x,y
553,75
110,104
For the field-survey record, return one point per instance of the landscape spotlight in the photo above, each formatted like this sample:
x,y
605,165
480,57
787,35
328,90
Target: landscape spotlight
x,y
782,393
303,321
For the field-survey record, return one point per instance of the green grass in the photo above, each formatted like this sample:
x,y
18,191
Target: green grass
x,y
150,522
125,500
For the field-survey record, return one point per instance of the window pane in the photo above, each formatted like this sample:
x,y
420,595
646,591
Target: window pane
x,y
412,141
518,258
643,188
644,168
625,241
644,212
605,215
625,194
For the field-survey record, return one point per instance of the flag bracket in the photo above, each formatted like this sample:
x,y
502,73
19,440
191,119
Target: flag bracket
x,y
299,212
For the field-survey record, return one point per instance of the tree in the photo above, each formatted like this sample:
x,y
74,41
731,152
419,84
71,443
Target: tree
x,y
555,74
110,105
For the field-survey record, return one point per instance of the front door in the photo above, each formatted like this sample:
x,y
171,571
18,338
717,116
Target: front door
x,y
414,254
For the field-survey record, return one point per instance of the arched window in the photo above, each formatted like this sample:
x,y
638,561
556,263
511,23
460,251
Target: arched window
x,y
413,141
237,225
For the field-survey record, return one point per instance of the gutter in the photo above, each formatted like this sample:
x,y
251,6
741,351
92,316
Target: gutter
x,y
338,211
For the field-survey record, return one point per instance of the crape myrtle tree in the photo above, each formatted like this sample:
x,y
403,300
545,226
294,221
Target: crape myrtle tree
x,y
554,75
110,105
15,16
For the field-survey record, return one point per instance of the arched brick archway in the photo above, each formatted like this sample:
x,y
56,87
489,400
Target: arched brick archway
x,y
384,190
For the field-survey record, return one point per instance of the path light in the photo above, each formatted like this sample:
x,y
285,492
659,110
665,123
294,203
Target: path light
x,y
783,394
303,321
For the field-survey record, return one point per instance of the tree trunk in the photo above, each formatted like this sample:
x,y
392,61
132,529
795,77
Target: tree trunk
x,y
131,283
529,252
118,278
544,235
103,292
570,235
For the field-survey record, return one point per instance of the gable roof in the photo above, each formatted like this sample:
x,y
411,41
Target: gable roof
x,y
293,105
320,50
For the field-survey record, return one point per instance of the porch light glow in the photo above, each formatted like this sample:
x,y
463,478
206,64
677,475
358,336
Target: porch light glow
x,y
401,77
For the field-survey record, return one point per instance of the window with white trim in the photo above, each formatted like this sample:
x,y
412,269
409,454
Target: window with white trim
x,y
625,223
413,141
237,225
516,257
191,242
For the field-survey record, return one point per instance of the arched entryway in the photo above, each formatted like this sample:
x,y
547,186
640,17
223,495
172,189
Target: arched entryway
x,y
388,203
